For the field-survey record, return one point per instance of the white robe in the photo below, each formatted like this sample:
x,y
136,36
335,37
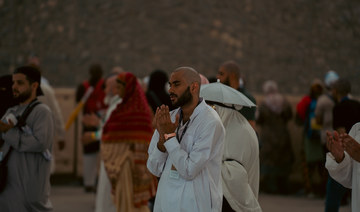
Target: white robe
x,y
104,200
347,173
196,184
240,168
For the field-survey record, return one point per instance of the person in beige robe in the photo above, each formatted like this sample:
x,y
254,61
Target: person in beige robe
x,y
240,168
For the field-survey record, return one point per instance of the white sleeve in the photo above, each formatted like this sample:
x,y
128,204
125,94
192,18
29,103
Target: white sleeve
x,y
157,159
341,172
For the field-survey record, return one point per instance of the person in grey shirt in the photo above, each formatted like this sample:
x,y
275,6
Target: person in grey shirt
x,y
28,184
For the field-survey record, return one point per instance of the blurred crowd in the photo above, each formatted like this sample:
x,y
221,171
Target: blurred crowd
x,y
127,149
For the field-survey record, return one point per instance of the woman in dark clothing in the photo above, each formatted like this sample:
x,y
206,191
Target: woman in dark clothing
x,y
156,93
276,154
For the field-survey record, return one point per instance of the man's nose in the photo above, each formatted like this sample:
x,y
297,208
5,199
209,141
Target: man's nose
x,y
170,89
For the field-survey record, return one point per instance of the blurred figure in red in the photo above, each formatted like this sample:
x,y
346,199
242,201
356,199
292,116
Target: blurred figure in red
x,y
94,105
314,152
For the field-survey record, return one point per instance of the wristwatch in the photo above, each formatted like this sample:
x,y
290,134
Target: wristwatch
x,y
170,135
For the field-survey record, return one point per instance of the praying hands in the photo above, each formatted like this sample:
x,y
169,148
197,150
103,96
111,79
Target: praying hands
x,y
163,124
351,146
337,144
163,121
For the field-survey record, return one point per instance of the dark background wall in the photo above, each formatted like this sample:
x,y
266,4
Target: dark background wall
x,y
291,42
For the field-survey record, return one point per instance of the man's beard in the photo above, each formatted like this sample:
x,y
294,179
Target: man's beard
x,y
227,81
22,97
185,98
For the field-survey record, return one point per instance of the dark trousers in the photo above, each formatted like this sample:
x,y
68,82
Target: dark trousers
x,y
334,194
226,207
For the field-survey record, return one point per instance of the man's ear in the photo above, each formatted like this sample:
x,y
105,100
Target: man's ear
x,y
195,87
35,85
232,75
233,80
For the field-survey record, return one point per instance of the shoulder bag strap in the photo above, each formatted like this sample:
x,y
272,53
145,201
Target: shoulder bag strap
x,y
21,123
25,114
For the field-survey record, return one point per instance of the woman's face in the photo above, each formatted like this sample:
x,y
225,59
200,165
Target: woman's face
x,y
120,88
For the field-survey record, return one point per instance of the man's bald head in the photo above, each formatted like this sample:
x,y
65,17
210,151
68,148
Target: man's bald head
x,y
231,67
190,75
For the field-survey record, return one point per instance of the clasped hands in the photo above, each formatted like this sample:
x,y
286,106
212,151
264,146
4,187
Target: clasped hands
x,y
338,143
164,125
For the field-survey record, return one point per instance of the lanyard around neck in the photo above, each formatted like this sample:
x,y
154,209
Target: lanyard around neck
x,y
186,126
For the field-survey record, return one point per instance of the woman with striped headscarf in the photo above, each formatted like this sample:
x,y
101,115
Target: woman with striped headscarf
x,y
125,140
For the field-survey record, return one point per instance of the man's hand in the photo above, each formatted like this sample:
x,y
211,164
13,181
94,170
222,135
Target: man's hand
x,y
351,146
160,144
5,127
163,120
91,120
87,138
335,146
163,124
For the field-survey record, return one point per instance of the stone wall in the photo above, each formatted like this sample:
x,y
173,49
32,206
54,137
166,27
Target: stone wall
x,y
291,42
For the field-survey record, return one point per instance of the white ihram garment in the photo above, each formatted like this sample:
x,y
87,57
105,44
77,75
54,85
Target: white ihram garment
x,y
241,167
196,183
347,173
104,202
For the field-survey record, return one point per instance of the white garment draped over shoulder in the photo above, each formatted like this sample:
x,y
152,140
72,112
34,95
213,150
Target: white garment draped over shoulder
x,y
103,201
240,168
347,173
197,159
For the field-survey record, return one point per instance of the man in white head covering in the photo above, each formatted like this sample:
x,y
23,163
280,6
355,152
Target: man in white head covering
x,y
240,167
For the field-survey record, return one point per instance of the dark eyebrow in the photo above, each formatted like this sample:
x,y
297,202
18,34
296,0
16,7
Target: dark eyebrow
x,y
174,82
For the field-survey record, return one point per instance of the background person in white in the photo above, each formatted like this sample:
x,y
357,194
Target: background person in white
x,y
188,162
342,161
103,201
241,167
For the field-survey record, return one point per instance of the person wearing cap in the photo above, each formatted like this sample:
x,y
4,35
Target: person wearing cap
x,y
28,183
